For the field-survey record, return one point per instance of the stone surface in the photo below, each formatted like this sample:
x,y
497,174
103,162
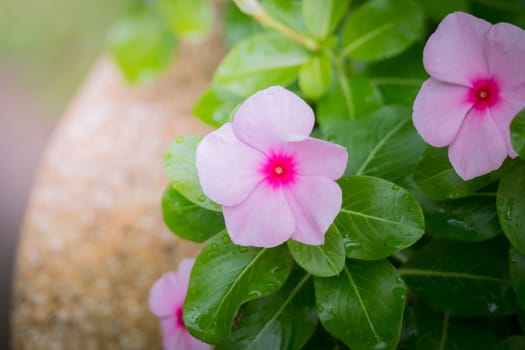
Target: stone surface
x,y
94,241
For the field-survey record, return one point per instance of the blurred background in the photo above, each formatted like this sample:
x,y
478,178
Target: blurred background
x,y
46,49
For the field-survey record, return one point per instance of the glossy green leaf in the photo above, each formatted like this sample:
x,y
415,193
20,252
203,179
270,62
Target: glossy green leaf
x,y
468,279
237,26
352,98
436,178
187,19
516,342
517,133
282,321
140,44
179,164
224,277
215,106
363,306
511,205
322,17
399,78
517,275
437,10
438,330
470,219
188,220
384,144
382,28
324,260
260,61
315,76
377,218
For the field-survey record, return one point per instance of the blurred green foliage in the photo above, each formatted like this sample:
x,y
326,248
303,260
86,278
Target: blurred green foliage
x,y
50,45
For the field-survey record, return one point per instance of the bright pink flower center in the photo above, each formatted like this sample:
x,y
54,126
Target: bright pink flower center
x,y
484,93
279,170
179,321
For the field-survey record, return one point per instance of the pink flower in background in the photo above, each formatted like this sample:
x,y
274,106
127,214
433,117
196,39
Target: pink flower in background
x,y
273,181
476,88
166,298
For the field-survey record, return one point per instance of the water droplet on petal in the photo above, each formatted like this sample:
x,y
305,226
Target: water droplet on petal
x,y
180,139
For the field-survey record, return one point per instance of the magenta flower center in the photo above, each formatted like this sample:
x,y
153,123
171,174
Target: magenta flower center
x,y
484,93
179,321
279,170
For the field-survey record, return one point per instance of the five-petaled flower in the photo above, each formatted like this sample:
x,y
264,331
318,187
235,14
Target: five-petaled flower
x,y
274,182
476,87
166,299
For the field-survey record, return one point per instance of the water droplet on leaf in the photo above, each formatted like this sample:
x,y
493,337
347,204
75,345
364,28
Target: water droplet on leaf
x,y
180,139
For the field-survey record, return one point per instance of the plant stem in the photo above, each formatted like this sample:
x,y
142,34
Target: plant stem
x,y
254,9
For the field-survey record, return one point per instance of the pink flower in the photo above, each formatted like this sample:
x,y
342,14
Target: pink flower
x,y
476,88
273,181
166,299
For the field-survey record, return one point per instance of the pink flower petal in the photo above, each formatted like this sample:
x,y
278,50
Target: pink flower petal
x,y
479,147
228,168
164,295
315,202
318,158
512,102
271,117
454,53
264,219
505,51
169,291
174,338
439,110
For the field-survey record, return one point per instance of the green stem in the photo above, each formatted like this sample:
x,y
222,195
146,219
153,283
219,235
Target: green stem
x,y
254,9
339,64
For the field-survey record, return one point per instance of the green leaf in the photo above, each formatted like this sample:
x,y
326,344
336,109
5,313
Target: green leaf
x,y
437,10
322,17
438,330
140,44
399,78
516,342
436,178
260,61
363,306
282,321
187,19
377,218
511,205
179,164
466,279
384,144
382,28
352,98
215,106
517,133
324,260
188,220
237,25
223,278
517,275
315,76
470,219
